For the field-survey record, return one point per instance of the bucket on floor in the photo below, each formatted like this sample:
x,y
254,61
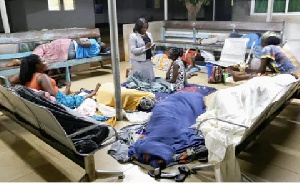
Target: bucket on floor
x,y
209,67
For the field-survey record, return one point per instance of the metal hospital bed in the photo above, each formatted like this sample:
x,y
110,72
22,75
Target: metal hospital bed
x,y
77,137
252,132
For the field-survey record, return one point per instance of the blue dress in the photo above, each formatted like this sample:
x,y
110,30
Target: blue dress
x,y
279,63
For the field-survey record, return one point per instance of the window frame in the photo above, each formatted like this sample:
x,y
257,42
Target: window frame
x,y
286,13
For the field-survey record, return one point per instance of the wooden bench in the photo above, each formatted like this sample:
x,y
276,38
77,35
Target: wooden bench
x,y
185,34
59,128
47,35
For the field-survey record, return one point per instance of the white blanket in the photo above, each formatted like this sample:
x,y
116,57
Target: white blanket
x,y
240,105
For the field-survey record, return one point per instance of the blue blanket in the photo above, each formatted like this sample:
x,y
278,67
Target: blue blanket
x,y
168,131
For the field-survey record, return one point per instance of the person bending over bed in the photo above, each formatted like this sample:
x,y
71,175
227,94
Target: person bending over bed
x,y
176,73
272,57
32,75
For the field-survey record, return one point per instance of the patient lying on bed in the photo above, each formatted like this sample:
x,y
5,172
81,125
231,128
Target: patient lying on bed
x,y
168,132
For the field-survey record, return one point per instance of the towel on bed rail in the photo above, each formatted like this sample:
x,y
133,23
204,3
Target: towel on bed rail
x,y
241,105
167,131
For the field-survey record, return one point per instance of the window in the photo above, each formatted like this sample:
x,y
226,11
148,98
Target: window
x,y
156,4
69,5
53,5
279,6
98,8
152,4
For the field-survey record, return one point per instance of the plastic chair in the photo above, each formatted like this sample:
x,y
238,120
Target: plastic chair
x,y
233,52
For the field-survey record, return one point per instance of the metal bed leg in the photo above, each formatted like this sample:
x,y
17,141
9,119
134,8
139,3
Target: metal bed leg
x,y
92,174
68,78
7,83
246,178
202,167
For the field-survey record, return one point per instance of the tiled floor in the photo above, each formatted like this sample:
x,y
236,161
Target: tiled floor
x,y
25,158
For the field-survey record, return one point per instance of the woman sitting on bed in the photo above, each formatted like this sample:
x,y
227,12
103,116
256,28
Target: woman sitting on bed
x,y
32,75
272,57
176,74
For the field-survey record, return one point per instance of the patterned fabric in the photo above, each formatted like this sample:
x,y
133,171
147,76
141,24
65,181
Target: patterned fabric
x,y
158,85
203,90
189,89
279,61
71,101
147,103
27,47
161,62
181,78
56,51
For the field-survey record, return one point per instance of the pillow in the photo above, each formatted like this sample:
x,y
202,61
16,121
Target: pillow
x,y
290,56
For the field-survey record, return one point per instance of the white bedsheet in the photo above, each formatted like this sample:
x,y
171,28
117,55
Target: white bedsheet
x,y
240,105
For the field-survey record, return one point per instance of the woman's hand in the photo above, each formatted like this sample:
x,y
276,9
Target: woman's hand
x,y
148,45
83,43
152,45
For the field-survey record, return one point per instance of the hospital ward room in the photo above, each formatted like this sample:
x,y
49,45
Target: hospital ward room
x,y
194,120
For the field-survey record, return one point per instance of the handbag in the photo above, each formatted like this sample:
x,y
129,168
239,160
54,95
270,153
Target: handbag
x,y
216,75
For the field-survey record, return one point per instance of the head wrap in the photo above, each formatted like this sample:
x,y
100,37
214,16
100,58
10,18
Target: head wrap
x,y
147,103
268,34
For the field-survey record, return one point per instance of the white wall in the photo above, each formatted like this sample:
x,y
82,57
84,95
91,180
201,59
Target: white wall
x,y
27,15
16,15
38,16
128,11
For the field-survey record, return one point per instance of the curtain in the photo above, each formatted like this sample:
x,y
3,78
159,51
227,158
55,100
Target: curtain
x,y
279,6
294,6
261,6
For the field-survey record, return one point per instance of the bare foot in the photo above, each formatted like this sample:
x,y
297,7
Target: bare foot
x,y
68,88
97,87
94,92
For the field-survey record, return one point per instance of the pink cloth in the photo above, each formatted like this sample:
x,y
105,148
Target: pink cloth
x,y
55,51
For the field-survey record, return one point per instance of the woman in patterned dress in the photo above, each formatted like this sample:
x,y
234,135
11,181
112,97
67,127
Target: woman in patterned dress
x,y
176,74
271,57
